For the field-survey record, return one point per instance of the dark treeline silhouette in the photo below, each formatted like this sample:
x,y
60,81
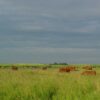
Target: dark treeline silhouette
x,y
63,63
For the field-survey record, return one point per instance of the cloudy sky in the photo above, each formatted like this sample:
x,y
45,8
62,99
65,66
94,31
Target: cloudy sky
x,y
47,31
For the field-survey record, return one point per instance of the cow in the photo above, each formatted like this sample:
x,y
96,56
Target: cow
x,y
72,68
14,67
87,67
88,72
64,69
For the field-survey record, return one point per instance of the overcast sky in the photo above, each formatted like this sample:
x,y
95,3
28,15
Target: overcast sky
x,y
47,31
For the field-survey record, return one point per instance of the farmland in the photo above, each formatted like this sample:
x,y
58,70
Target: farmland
x,y
29,83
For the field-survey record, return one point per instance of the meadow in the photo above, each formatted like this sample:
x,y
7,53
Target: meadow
x,y
28,83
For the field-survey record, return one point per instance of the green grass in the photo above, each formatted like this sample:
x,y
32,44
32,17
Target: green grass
x,y
28,84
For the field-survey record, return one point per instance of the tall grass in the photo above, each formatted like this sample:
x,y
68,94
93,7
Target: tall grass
x,y
37,84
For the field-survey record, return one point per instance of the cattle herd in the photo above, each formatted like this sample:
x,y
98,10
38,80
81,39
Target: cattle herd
x,y
87,70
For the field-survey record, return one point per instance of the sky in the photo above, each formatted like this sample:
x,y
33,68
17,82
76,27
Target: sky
x,y
48,31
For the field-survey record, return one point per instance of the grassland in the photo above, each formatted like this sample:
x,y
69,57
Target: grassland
x,y
50,84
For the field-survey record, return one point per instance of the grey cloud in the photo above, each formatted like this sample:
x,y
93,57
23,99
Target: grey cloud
x,y
51,55
50,30
48,15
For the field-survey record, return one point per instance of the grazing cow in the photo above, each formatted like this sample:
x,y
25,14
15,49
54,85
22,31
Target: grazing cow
x,y
88,73
72,68
64,69
14,68
87,67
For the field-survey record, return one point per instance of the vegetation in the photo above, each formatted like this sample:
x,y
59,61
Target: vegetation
x,y
50,84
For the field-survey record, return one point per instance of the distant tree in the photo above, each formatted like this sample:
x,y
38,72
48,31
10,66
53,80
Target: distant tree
x,y
63,63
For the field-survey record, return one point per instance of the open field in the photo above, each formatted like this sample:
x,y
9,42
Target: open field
x,y
37,84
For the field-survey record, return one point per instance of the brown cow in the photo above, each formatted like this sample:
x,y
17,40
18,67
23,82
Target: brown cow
x,y
88,73
72,68
64,69
14,68
87,67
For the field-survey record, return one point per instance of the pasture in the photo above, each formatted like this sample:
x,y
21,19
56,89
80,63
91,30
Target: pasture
x,y
29,83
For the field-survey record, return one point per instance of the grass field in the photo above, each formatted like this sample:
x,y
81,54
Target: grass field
x,y
50,84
